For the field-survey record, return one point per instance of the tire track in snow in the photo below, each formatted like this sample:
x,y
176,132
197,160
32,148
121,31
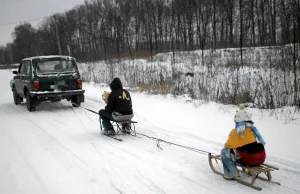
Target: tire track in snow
x,y
108,168
89,171
30,167
187,137
53,138
112,148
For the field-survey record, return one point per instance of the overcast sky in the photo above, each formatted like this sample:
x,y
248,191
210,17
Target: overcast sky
x,y
30,10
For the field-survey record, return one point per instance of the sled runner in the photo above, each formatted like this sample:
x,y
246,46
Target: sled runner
x,y
118,126
254,171
112,136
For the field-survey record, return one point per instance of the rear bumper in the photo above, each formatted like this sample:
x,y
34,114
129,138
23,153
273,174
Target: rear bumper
x,y
56,93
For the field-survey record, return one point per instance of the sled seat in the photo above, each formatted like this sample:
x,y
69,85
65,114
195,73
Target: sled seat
x,y
254,171
118,125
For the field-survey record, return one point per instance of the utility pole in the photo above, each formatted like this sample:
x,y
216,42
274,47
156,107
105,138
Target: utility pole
x,y
57,36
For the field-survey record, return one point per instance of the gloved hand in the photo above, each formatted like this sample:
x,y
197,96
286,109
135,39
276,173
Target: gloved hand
x,y
105,96
232,156
259,137
257,140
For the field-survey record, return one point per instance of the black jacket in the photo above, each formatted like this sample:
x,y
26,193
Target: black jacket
x,y
119,99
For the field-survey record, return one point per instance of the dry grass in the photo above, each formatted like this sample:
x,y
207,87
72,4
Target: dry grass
x,y
164,88
116,56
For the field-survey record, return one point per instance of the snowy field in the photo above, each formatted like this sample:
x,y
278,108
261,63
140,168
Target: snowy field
x,y
59,149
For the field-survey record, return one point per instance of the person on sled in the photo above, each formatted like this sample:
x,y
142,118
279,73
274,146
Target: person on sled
x,y
244,145
118,107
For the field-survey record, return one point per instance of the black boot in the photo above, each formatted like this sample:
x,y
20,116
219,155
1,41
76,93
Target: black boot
x,y
126,128
110,131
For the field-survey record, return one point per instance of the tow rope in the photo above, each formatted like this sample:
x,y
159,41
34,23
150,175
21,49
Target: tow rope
x,y
158,140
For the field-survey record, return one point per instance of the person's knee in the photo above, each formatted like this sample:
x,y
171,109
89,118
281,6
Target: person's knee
x,y
225,152
101,112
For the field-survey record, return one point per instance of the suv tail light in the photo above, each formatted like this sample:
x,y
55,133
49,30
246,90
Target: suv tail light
x,y
79,84
36,86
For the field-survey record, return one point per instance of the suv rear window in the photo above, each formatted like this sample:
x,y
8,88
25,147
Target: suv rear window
x,y
54,66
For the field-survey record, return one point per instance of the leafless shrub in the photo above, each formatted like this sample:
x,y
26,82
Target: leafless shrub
x,y
266,82
163,88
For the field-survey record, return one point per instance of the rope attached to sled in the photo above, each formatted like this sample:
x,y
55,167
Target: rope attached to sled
x,y
171,143
158,140
85,108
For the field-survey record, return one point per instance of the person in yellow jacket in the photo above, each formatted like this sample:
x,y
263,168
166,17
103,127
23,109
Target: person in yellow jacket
x,y
244,145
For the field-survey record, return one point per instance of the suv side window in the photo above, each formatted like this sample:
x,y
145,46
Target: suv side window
x,y
22,68
25,68
27,63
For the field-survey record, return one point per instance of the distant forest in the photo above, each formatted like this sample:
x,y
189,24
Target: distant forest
x,y
106,29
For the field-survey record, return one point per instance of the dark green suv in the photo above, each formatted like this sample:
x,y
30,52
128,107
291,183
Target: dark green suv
x,y
47,78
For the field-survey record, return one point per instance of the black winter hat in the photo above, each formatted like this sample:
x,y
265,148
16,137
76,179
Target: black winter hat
x,y
116,84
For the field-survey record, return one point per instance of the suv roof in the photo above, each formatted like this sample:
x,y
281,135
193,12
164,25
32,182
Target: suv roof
x,y
47,57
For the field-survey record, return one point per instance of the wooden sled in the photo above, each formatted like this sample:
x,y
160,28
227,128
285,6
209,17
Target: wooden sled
x,y
254,171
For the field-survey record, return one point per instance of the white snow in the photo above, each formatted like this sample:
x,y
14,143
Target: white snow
x,y
49,56
55,91
59,149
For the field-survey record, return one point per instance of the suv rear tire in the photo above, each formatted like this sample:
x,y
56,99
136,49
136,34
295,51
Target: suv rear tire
x,y
17,98
29,102
75,101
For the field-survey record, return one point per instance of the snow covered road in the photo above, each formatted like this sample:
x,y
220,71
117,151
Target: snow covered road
x,y
58,149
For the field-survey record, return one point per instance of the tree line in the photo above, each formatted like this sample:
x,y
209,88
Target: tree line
x,y
105,29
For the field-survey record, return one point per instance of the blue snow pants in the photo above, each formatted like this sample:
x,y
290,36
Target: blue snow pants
x,y
228,161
